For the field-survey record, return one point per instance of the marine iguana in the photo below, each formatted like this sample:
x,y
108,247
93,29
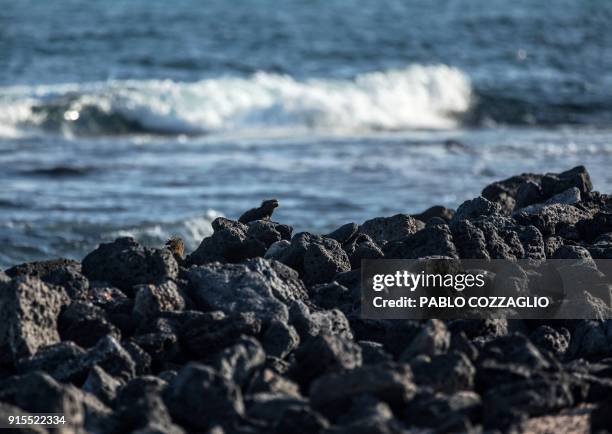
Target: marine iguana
x,y
177,246
264,212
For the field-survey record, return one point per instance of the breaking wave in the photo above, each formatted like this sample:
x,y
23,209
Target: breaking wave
x,y
192,231
416,97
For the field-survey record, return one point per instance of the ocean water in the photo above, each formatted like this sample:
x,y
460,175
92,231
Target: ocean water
x,y
152,118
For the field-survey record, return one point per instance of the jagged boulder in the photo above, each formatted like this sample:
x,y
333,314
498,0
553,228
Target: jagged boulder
x,y
125,263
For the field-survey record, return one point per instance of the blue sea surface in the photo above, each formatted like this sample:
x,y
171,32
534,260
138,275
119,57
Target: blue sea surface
x,y
151,118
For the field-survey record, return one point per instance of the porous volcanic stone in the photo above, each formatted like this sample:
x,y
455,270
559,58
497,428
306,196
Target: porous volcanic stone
x,y
389,382
384,229
200,398
125,263
317,259
230,242
257,285
28,315
152,299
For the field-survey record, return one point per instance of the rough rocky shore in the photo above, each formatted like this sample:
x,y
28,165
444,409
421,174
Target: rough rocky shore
x,y
259,329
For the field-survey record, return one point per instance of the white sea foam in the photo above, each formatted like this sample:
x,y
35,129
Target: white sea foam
x,y
192,230
415,97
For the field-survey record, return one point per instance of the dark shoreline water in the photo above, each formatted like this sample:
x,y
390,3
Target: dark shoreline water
x,y
66,205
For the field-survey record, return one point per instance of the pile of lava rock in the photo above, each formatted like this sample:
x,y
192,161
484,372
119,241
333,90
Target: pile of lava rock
x,y
259,330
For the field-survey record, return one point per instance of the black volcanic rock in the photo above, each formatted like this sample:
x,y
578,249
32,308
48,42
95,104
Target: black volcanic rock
x,y
511,402
334,295
268,232
344,233
516,349
572,252
28,316
470,240
280,339
312,322
142,359
432,339
300,420
474,208
390,382
125,263
601,417
550,218
323,354
102,385
504,239
385,229
550,339
85,324
556,183
110,355
362,247
200,398
59,272
239,361
373,353
599,224
42,269
505,192
528,193
260,286
447,413
431,241
317,259
39,393
448,373
62,361
151,300
444,213
207,333
147,414
231,242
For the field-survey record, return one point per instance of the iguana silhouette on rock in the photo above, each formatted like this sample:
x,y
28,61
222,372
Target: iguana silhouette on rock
x,y
264,212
